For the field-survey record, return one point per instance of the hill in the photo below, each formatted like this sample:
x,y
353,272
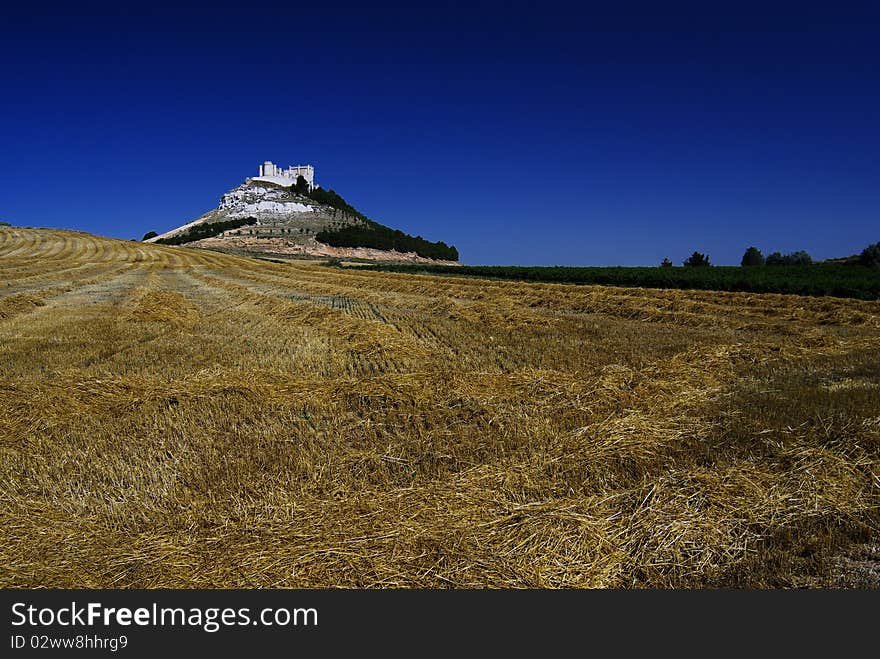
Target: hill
x,y
186,418
270,216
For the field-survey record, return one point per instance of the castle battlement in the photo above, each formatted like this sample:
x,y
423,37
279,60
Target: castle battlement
x,y
293,172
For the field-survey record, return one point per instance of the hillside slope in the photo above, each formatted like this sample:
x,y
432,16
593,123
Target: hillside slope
x,y
265,215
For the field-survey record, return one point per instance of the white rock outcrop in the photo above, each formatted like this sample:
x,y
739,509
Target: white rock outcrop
x,y
261,202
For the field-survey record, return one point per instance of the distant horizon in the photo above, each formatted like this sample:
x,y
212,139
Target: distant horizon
x,y
463,262
526,135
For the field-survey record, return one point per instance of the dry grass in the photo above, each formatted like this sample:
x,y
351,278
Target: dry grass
x,y
179,418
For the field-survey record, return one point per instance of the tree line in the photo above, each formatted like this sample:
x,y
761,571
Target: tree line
x,y
204,230
372,234
753,257
835,279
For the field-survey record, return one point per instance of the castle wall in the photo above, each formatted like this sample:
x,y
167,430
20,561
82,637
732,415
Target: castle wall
x,y
268,168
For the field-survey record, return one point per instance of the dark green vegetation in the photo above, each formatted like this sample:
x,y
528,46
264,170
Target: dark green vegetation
x,y
697,260
870,256
334,200
850,281
375,235
752,257
795,258
205,230
149,234
302,186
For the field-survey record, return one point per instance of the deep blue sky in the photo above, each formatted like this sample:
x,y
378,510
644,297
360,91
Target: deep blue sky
x,y
528,133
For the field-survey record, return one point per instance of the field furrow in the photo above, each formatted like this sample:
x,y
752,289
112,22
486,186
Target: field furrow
x,y
174,417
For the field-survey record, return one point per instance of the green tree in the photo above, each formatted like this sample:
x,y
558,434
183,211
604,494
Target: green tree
x,y
666,263
800,258
870,256
697,260
794,258
302,186
752,257
149,234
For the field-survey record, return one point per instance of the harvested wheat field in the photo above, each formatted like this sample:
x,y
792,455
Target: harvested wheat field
x,y
173,417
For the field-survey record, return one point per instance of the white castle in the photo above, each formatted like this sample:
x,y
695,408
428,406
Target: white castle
x,y
271,170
